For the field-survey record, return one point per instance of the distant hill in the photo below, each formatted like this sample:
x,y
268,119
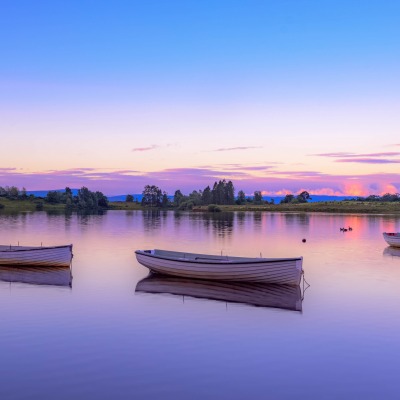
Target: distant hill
x,y
138,197
277,199
314,198
122,197
43,193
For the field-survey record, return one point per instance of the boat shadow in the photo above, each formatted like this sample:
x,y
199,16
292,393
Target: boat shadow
x,y
255,294
391,251
47,276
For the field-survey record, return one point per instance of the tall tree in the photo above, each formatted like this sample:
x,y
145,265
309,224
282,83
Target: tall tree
x,y
241,199
303,197
165,200
206,197
230,193
178,198
23,194
288,199
257,197
152,196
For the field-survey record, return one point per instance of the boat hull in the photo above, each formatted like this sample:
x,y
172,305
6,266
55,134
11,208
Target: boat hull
x,y
392,239
234,269
58,256
256,294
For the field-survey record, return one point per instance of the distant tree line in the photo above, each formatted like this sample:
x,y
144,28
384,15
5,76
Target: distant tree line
x,y
13,193
384,198
303,197
222,193
84,200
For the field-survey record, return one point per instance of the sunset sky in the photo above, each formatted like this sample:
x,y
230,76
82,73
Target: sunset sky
x,y
279,96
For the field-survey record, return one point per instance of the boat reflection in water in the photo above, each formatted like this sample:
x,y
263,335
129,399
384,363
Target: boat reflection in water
x,y
256,294
54,276
391,251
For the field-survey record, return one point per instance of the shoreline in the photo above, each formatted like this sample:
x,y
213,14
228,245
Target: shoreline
x,y
333,207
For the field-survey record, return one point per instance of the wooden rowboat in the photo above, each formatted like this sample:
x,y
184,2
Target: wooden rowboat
x,y
56,256
286,297
392,239
54,276
284,271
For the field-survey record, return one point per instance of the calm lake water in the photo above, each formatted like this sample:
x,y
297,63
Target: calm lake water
x,y
104,337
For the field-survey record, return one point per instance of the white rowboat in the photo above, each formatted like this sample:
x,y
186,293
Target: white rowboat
x,y
286,297
392,239
284,271
56,256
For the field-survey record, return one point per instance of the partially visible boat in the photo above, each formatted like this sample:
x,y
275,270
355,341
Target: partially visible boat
x,y
285,297
392,238
284,271
54,276
55,256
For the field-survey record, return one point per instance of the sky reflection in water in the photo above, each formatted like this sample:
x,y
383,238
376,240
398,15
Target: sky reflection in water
x,y
103,340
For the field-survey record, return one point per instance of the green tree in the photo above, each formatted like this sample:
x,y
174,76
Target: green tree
x,y
53,197
152,196
230,193
129,198
87,200
102,200
223,192
241,199
257,197
178,198
196,197
165,200
206,197
303,197
13,192
23,194
287,199
68,198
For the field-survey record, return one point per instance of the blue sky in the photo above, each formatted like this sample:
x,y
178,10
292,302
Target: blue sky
x,y
282,80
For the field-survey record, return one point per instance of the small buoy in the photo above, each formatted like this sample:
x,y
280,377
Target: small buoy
x,y
304,240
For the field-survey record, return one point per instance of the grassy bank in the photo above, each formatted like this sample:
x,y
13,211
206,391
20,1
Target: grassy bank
x,y
349,207
27,205
123,205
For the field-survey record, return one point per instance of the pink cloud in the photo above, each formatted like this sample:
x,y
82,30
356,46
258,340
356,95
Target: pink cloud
x,y
7,169
237,148
368,160
355,155
113,182
152,147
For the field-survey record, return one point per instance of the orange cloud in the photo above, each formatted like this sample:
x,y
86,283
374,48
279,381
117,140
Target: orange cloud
x,y
355,189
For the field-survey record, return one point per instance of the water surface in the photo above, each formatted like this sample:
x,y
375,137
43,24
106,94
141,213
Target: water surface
x,y
93,335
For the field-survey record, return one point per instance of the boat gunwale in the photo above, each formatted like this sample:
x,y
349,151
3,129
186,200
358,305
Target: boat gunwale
x,y
12,250
222,262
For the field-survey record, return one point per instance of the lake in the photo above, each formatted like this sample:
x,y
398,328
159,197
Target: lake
x,y
100,334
